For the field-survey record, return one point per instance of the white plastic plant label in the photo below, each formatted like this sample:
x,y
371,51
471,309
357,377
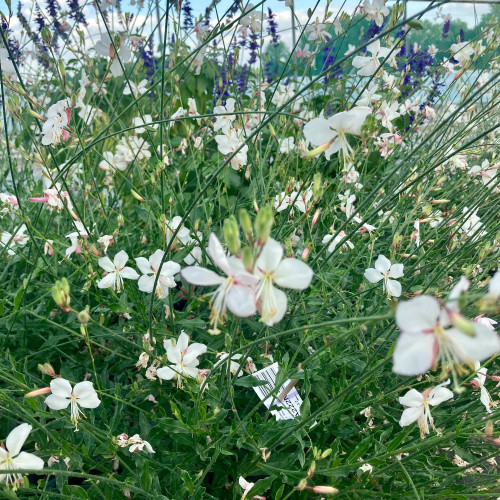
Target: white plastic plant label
x,y
290,406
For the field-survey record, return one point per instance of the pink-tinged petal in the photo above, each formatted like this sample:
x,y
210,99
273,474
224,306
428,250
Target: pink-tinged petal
x,y
418,314
294,274
170,268
182,341
394,288
201,277
318,131
155,259
27,461
281,303
217,254
396,271
410,415
120,260
439,394
372,275
146,283
412,399
108,281
56,402
468,348
414,353
240,300
61,387
193,351
129,273
106,264
143,265
270,256
16,438
485,399
382,264
165,373
83,389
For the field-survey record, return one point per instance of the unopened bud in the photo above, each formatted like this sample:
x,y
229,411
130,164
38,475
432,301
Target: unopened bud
x,y
312,468
121,220
84,316
317,151
488,430
302,485
263,224
232,234
316,187
137,196
464,325
62,69
246,224
38,392
247,258
316,217
60,293
47,369
46,35
326,453
325,490
305,253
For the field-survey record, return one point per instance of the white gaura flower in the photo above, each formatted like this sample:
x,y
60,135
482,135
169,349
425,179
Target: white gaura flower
x,y
224,121
418,406
330,133
63,395
388,112
287,145
184,359
270,268
347,245
117,270
12,458
426,338
235,365
368,66
375,11
149,269
7,65
104,47
478,383
252,20
136,90
317,31
228,144
462,52
235,292
58,116
385,270
141,123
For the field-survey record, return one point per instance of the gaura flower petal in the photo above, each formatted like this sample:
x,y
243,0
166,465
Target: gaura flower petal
x,y
439,394
484,345
382,264
120,260
396,271
240,300
217,254
108,281
61,387
182,341
394,288
414,353
129,273
193,351
27,461
143,265
372,275
201,277
418,314
165,373
294,274
270,256
57,402
106,264
412,399
410,415
16,438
